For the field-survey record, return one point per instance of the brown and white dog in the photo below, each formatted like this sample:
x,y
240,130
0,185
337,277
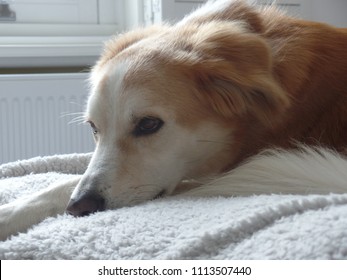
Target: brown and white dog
x,y
184,108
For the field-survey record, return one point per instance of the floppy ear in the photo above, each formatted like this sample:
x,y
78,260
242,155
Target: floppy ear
x,y
234,74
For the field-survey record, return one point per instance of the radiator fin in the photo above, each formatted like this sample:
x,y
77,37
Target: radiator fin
x,y
34,116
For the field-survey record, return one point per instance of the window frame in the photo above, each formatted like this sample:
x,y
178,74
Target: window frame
x,y
47,46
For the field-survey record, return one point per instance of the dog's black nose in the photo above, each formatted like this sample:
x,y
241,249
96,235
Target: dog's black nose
x,y
85,205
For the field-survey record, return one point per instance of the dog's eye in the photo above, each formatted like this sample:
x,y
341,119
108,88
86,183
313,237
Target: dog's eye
x,y
94,129
147,125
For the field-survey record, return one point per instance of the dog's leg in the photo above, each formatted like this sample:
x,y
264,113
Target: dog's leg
x,y
22,213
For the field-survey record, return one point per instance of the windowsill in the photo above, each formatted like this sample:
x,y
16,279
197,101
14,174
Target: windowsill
x,y
57,45
50,51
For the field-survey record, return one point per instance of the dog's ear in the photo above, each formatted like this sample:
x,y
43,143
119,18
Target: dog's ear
x,y
237,10
234,72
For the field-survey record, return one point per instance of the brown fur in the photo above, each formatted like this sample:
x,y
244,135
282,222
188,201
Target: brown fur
x,y
271,79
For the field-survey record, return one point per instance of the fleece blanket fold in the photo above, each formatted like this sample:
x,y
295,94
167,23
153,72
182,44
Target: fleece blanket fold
x,y
255,227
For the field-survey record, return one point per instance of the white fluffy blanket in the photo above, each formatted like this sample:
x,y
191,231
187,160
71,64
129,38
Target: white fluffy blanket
x,y
256,227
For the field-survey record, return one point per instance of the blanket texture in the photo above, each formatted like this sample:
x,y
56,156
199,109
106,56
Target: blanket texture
x,y
255,227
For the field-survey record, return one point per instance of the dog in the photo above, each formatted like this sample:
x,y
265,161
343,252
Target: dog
x,y
232,100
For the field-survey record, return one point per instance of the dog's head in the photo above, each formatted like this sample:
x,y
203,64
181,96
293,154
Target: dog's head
x,y
174,103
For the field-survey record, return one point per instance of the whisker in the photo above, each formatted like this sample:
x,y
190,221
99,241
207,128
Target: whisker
x,y
76,104
72,114
79,117
66,114
77,120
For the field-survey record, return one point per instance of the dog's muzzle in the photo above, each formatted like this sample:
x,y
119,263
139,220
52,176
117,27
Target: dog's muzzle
x,y
85,205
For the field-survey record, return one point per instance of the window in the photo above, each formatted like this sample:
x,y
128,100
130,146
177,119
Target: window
x,y
60,17
60,32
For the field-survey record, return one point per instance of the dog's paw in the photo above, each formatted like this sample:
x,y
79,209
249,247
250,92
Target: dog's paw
x,y
8,221
23,213
19,215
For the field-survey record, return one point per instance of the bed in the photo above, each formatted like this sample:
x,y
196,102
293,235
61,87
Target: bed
x,y
254,227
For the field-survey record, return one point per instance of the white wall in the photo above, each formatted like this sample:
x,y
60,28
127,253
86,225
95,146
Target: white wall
x,y
333,11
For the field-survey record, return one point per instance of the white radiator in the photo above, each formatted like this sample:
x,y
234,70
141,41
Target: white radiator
x,y
35,111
